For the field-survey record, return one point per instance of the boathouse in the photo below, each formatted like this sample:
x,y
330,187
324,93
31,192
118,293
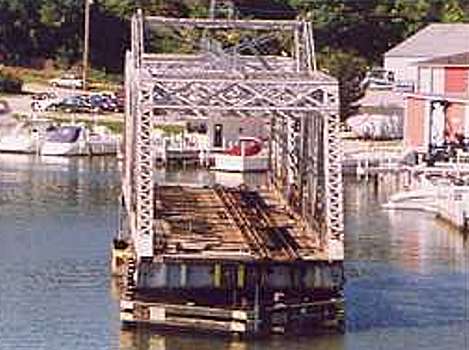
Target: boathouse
x,y
435,40
438,112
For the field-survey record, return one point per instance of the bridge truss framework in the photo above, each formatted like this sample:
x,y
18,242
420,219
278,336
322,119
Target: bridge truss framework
x,y
300,102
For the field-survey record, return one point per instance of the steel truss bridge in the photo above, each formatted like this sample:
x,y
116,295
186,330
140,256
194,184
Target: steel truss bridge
x,y
300,102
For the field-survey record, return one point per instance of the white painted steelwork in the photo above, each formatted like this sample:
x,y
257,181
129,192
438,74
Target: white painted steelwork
x,y
216,83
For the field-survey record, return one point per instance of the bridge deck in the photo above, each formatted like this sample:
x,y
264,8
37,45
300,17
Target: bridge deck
x,y
231,224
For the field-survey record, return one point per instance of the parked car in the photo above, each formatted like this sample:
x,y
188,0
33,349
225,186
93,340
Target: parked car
x,y
120,100
101,103
75,104
67,81
107,102
43,96
44,105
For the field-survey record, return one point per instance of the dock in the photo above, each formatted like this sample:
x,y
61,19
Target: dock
x,y
237,260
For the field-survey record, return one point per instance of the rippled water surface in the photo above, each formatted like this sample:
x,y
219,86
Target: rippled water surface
x,y
406,287
57,217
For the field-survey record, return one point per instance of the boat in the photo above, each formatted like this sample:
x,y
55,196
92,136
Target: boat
x,y
179,148
445,197
249,155
376,126
102,142
77,140
26,137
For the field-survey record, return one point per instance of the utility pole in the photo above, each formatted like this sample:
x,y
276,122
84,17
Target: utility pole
x,y
86,44
213,4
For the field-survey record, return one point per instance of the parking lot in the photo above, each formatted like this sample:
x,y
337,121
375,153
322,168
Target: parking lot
x,y
21,104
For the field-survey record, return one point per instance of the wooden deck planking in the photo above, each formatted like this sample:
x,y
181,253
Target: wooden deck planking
x,y
196,219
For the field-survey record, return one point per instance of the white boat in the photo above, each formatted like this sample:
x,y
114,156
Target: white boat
x,y
378,79
101,142
444,197
26,139
249,155
184,148
376,126
77,140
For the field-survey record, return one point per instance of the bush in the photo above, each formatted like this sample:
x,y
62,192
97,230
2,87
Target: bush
x,y
9,82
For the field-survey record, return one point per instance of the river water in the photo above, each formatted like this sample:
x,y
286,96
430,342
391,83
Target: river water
x,y
407,279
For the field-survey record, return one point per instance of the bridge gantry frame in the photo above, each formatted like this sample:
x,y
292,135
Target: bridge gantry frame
x,y
301,103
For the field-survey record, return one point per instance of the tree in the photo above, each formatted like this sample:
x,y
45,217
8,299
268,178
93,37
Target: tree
x,y
452,12
349,69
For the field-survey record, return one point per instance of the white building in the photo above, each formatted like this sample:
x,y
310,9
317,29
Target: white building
x,y
435,40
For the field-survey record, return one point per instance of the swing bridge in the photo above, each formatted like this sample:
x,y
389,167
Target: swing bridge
x,y
239,260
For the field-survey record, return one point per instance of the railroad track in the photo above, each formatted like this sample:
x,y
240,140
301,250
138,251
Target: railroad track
x,y
245,225
248,212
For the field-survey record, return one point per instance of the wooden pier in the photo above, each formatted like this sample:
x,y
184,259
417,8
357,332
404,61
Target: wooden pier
x,y
237,260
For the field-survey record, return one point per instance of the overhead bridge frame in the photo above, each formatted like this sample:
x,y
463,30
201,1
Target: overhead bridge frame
x,y
300,102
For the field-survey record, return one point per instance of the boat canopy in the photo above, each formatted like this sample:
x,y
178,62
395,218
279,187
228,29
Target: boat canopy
x,y
64,134
252,148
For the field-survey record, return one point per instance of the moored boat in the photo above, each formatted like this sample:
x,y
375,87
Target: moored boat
x,y
27,137
248,155
77,140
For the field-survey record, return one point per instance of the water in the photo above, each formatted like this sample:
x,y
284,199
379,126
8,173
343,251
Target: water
x,y
57,218
406,288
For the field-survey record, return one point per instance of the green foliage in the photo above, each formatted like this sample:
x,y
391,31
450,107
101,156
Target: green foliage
x,y
453,12
349,69
53,28
170,129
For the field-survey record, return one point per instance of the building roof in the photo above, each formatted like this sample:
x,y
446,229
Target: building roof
x,y
382,98
437,39
450,97
460,59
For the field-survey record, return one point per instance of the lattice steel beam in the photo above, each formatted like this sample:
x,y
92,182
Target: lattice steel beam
x,y
334,187
207,23
252,95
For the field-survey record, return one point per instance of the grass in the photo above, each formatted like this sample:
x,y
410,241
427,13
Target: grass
x,y
116,127
171,128
98,80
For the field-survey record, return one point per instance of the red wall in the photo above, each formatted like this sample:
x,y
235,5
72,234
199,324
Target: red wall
x,y
456,80
414,124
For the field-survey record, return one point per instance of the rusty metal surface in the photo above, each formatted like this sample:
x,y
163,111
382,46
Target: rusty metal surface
x,y
226,223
